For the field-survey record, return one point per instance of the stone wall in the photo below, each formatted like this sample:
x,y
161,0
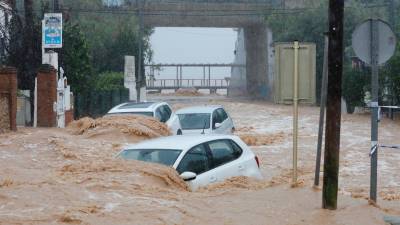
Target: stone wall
x,y
4,114
8,99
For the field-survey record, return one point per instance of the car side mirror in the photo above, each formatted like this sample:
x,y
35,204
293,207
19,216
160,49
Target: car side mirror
x,y
188,176
218,125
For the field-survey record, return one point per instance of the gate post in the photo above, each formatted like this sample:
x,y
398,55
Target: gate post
x,y
8,91
46,96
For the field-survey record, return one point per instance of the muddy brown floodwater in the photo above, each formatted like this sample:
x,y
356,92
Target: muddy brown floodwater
x,y
71,176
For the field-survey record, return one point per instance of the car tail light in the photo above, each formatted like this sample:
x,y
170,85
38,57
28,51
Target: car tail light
x,y
258,161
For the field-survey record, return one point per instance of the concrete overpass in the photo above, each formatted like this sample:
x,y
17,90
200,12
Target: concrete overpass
x,y
246,14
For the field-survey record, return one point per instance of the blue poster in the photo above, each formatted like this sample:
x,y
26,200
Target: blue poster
x,y
52,30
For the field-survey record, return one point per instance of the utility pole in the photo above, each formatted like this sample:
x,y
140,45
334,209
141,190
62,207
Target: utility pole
x,y
333,110
392,22
391,11
140,52
322,112
374,109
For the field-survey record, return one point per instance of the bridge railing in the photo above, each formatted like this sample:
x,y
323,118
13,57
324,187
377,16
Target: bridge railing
x,y
187,83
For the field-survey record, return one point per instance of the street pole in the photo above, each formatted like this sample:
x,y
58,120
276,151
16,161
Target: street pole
x,y
295,109
140,52
392,22
375,108
324,85
333,103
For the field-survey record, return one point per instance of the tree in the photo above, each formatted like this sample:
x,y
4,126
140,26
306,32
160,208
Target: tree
x,y
355,83
25,48
75,59
310,24
391,76
110,33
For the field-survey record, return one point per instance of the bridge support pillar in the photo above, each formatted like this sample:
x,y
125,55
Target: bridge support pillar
x,y
256,46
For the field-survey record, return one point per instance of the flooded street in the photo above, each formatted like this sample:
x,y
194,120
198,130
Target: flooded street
x,y
51,176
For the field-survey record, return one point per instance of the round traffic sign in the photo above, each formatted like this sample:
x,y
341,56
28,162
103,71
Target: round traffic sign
x,y
361,41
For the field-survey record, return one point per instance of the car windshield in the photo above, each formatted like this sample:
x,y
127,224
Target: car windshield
x,y
133,113
162,156
194,121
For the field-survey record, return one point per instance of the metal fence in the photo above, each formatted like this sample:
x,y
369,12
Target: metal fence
x,y
187,83
98,103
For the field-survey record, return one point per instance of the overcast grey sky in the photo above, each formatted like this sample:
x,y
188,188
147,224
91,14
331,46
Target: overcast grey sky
x,y
193,45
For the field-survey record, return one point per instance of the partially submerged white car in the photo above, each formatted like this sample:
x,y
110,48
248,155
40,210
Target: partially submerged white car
x,y
205,120
160,110
200,160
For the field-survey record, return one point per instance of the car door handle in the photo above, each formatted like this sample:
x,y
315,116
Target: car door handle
x,y
241,168
213,179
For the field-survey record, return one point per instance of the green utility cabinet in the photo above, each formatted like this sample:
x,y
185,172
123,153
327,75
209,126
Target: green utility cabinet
x,y
284,69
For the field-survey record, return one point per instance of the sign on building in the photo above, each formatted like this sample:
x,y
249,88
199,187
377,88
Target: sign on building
x,y
52,30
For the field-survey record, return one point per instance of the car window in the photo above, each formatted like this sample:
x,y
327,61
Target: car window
x,y
236,149
133,113
195,160
163,114
215,118
168,112
161,156
222,114
223,151
158,114
194,121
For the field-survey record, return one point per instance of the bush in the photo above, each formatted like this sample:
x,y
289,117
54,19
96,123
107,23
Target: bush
x,y
110,81
355,83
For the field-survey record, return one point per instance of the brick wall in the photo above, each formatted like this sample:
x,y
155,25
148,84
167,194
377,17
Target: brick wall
x,y
69,116
46,96
8,98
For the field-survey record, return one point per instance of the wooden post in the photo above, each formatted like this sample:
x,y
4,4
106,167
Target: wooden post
x,y
333,110
295,109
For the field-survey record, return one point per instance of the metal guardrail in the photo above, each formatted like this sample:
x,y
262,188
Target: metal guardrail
x,y
187,83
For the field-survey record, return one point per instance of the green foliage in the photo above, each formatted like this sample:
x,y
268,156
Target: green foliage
x,y
310,26
355,83
24,50
110,34
94,41
110,81
74,58
391,75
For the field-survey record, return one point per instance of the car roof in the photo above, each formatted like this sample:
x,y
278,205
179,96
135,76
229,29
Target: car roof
x,y
181,142
198,109
136,107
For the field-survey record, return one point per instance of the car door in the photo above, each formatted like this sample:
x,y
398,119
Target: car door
x,y
225,159
197,160
173,121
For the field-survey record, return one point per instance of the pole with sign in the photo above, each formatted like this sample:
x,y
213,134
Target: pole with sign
x,y
374,43
52,30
